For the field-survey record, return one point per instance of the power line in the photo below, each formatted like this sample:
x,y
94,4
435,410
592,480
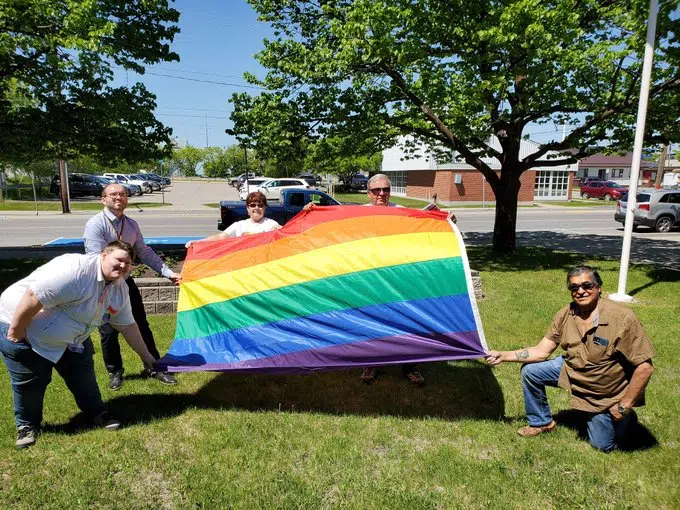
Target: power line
x,y
198,72
192,109
195,116
206,81
196,125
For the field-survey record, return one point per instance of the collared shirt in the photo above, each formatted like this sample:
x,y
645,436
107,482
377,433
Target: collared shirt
x,y
104,227
75,298
601,353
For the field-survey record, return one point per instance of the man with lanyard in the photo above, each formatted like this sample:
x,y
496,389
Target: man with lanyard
x,y
111,225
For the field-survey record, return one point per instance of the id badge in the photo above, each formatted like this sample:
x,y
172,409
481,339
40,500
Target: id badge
x,y
77,348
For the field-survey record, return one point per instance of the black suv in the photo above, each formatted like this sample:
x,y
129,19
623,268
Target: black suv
x,y
309,179
79,185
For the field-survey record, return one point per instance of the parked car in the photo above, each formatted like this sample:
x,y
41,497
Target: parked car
x,y
658,209
608,190
586,180
165,181
291,202
273,187
238,180
132,189
124,179
359,182
155,185
79,185
310,179
253,185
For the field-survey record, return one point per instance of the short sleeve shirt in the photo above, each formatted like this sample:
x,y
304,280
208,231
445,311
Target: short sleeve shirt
x,y
249,227
75,298
600,355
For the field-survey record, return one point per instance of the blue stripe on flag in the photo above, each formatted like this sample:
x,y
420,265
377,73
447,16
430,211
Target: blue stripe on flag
x,y
423,316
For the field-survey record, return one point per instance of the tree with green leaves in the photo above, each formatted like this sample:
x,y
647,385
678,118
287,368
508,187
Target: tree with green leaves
x,y
453,74
57,60
331,155
230,161
187,159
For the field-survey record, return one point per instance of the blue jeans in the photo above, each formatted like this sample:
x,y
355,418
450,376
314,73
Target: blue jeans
x,y
30,374
603,431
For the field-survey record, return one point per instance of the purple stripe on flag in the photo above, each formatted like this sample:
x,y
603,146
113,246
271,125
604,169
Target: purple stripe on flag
x,y
383,351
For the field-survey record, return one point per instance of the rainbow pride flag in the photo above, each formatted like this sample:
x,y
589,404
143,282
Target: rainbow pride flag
x,y
336,287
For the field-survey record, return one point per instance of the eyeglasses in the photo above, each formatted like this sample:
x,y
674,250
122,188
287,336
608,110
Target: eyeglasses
x,y
256,206
573,287
376,191
122,194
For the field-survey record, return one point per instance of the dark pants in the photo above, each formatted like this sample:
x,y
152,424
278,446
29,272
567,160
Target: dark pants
x,y
30,374
408,368
110,344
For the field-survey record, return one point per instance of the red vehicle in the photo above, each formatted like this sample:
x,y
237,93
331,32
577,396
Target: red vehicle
x,y
608,190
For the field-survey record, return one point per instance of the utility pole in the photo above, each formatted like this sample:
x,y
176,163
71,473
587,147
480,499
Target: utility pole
x,y
662,167
206,130
245,153
63,191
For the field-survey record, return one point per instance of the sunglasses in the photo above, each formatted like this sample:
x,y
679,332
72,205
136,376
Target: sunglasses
x,y
123,194
376,191
256,206
573,287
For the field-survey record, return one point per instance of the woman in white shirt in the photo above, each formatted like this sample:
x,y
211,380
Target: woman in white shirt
x,y
256,205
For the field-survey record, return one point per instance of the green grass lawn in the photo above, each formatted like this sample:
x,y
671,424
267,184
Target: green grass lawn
x,y
325,440
22,205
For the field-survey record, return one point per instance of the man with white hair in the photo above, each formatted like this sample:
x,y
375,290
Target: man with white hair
x,y
379,189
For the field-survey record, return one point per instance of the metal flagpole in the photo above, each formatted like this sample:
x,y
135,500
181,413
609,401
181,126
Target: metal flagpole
x,y
637,153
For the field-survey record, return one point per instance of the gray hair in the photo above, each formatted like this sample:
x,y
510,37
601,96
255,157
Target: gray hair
x,y
579,270
379,177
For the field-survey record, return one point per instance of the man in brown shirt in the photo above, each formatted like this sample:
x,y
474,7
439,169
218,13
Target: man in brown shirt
x,y
607,365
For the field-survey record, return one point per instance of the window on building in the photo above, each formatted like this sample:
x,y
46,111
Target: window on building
x,y
551,184
399,182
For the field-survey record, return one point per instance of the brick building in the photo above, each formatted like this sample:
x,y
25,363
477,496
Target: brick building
x,y
455,181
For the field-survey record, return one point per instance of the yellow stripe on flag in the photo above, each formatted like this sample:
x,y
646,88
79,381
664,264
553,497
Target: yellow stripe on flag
x,y
326,262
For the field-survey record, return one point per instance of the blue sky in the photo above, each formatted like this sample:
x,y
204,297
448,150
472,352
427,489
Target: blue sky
x,y
217,43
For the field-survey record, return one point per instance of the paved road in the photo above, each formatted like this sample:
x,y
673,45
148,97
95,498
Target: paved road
x,y
578,229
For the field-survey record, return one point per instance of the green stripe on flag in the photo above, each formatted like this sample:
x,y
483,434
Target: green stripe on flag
x,y
405,282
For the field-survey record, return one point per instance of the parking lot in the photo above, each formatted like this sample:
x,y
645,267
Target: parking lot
x,y
583,229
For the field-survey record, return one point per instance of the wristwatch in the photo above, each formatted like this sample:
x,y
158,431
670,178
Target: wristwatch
x,y
623,410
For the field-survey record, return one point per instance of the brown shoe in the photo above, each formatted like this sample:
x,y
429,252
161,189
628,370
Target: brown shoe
x,y
368,375
415,378
530,431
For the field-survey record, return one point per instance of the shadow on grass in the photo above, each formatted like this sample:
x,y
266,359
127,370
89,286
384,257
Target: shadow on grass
x,y
465,389
554,250
638,437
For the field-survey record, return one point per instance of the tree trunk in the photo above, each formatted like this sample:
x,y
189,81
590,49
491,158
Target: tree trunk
x,y
505,225
662,165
